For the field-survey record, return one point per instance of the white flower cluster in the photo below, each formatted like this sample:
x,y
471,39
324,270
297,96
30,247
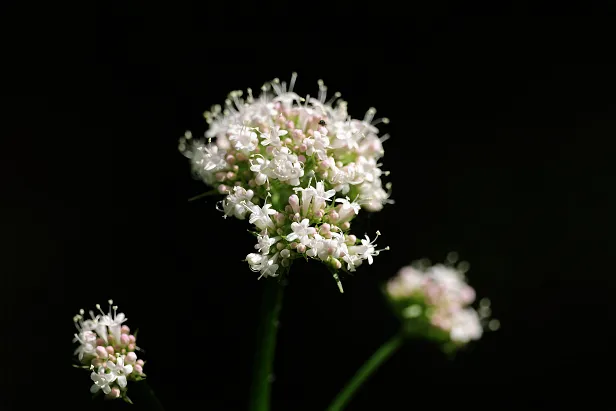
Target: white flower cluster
x,y
107,348
435,301
300,169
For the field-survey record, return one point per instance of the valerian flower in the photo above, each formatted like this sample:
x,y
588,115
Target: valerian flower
x,y
434,302
291,166
109,350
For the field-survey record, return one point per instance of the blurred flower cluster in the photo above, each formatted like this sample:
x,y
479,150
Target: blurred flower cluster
x,y
299,169
108,349
434,302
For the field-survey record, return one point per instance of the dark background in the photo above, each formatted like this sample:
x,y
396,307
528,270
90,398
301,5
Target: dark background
x,y
502,122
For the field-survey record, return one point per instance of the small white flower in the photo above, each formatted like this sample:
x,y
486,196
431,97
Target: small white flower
x,y
235,203
87,340
301,231
273,137
101,381
119,371
347,209
261,216
265,242
258,165
243,138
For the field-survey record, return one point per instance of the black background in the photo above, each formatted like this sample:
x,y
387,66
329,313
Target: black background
x,y
502,122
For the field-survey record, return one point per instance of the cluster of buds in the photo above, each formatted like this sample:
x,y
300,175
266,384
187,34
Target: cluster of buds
x,y
300,169
434,302
108,349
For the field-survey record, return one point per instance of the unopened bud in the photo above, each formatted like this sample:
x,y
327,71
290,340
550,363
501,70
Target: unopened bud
x,y
101,352
124,339
131,358
125,329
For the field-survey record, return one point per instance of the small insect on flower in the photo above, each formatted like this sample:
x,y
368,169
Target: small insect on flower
x,y
322,123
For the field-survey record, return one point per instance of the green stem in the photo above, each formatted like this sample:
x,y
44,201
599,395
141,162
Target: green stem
x,y
266,346
370,366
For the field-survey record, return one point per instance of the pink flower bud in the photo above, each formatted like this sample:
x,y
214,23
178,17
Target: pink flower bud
x,y
297,217
325,227
279,218
97,362
230,175
235,168
336,263
222,189
131,358
230,159
101,352
241,157
112,358
294,203
220,176
269,149
303,147
290,125
333,216
132,339
115,393
319,214
124,339
140,362
301,158
100,341
351,239
131,347
110,349
139,369
301,248
125,329
288,141
345,226
294,245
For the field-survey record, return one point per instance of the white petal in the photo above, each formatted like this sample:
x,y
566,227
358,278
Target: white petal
x,y
122,381
106,389
94,388
128,369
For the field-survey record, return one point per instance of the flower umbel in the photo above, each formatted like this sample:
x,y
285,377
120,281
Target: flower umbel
x,y
434,302
108,349
292,165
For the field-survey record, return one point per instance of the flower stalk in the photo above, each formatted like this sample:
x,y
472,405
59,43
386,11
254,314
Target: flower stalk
x,y
266,346
381,355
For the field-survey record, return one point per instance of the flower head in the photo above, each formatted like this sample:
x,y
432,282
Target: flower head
x,y
434,302
291,165
108,349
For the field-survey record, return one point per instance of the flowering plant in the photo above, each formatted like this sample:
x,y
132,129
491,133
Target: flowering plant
x,y
108,349
300,169
434,302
